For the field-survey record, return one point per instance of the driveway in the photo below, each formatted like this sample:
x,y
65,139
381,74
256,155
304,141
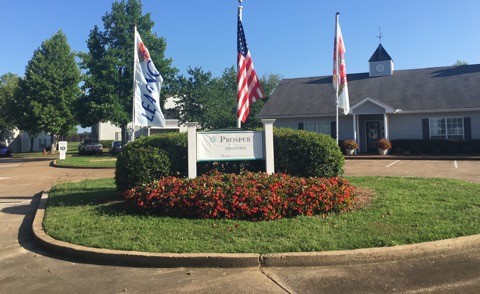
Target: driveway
x,y
468,170
25,268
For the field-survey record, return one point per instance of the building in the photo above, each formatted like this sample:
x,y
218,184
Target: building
x,y
108,131
427,103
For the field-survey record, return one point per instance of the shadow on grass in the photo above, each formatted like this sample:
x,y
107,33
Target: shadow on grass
x,y
88,196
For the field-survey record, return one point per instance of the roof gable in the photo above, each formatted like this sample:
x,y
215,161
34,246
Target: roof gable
x,y
371,106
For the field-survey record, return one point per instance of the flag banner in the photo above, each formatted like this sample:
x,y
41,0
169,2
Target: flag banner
x,y
340,70
248,86
147,86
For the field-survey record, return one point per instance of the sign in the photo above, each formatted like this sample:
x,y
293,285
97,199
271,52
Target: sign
x,y
233,145
62,147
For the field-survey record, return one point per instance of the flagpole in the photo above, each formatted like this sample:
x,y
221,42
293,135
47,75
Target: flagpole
x,y
337,76
135,53
240,15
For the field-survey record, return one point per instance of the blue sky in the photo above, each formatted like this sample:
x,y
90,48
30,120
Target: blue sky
x,y
290,38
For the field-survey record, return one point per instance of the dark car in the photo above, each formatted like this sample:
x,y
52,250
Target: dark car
x,y
5,150
90,146
116,147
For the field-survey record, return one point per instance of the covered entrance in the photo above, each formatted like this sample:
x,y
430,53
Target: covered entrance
x,y
370,123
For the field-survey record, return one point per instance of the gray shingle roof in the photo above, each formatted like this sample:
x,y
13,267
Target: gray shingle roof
x,y
380,54
439,88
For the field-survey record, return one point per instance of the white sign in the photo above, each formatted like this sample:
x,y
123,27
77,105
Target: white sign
x,y
233,145
62,147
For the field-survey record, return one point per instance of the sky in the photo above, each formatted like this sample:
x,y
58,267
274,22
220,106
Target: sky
x,y
289,38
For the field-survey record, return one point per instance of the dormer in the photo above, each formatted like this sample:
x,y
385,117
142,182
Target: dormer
x,y
381,64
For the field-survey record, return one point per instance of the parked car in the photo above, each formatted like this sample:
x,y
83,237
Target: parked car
x,y
5,150
116,147
90,146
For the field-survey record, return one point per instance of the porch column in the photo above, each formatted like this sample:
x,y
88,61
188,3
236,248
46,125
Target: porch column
x,y
385,121
355,128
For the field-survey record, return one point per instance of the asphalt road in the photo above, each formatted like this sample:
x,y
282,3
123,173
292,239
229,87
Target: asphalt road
x,y
25,268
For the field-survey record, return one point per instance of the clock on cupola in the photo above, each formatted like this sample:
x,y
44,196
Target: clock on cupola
x,y
381,64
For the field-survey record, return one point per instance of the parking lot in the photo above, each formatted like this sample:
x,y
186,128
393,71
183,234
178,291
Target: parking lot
x,y
468,170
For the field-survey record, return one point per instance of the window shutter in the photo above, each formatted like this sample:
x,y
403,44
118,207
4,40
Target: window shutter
x,y
300,126
467,128
333,129
426,129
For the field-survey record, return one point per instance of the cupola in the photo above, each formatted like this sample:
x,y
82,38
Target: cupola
x,y
381,64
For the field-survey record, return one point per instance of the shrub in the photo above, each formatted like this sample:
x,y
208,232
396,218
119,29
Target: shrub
x,y
436,147
139,166
298,153
249,196
383,144
106,143
149,158
307,154
349,144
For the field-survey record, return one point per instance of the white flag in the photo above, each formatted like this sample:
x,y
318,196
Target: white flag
x,y
147,86
340,71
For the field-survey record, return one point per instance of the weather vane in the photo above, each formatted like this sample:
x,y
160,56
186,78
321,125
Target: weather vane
x,y
380,35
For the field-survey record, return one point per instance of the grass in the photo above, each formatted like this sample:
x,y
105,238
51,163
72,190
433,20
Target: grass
x,y
72,149
401,211
88,161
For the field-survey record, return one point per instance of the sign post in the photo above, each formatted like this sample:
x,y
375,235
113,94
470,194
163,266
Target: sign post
x,y
269,156
230,146
62,146
192,149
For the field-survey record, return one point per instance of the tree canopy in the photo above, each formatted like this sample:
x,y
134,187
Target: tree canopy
x,y
48,90
8,89
212,101
108,65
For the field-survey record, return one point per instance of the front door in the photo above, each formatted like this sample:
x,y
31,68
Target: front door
x,y
373,134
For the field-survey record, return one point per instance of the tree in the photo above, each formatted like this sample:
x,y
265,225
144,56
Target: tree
x,y
8,89
269,82
460,63
108,65
48,91
212,101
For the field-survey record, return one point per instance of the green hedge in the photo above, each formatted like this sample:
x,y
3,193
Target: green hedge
x,y
435,147
307,154
297,153
150,158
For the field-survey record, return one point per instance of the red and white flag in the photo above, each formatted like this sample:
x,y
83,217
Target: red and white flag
x,y
248,86
340,70
147,83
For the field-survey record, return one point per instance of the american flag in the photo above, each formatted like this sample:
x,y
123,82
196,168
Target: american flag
x,y
248,87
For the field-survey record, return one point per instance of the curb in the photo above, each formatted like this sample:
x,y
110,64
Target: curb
x,y
411,157
54,164
245,260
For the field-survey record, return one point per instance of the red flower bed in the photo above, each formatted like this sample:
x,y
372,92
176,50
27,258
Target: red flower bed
x,y
249,196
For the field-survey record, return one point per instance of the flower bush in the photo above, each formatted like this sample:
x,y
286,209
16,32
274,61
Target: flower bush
x,y
248,196
349,144
383,144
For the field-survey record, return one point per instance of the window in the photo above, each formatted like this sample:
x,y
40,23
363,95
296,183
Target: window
x,y
450,128
321,127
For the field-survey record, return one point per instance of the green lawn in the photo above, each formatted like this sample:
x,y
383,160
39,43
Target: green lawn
x,y
399,211
88,161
